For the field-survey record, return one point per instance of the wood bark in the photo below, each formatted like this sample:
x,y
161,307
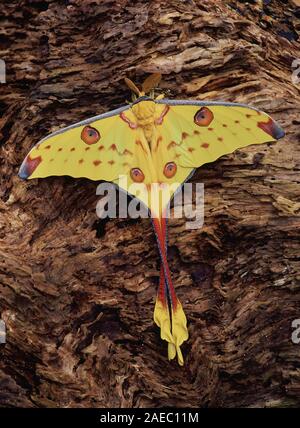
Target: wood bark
x,y
77,293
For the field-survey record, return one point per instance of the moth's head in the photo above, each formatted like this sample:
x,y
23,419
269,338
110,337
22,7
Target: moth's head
x,y
148,87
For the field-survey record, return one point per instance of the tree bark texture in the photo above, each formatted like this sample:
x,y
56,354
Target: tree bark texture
x,y
77,293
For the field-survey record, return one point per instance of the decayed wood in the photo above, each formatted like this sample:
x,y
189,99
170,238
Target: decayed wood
x,y
76,293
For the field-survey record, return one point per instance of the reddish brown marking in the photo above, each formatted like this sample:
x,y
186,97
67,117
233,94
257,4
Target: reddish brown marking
x,y
191,149
248,129
210,129
125,164
161,235
159,140
100,148
139,143
177,156
171,145
48,147
160,119
184,135
32,164
127,152
111,162
161,296
128,121
271,128
80,161
87,148
220,139
60,149
248,115
72,149
236,121
224,125
97,162
205,145
196,132
113,147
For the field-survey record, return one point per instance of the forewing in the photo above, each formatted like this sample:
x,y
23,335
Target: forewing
x,y
195,133
74,151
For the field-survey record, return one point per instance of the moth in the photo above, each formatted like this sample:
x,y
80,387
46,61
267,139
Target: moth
x,y
152,142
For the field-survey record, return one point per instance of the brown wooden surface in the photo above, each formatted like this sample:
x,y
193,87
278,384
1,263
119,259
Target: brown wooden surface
x,y
77,296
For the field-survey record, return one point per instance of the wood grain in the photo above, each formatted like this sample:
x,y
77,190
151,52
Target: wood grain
x,y
76,293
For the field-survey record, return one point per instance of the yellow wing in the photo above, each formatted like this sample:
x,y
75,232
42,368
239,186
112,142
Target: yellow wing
x,y
191,134
187,135
99,148
108,147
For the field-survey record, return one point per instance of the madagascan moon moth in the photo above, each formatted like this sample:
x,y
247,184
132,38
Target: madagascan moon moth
x,y
152,141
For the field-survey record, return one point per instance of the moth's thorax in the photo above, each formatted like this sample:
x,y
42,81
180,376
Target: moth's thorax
x,y
144,112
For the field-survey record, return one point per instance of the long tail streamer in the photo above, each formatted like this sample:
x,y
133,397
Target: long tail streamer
x,y
168,312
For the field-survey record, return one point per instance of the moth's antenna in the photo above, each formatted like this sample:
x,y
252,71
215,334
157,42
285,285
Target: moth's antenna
x,y
133,87
151,82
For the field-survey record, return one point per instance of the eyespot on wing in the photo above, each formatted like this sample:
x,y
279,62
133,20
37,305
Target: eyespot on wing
x,y
203,117
90,135
170,169
137,175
